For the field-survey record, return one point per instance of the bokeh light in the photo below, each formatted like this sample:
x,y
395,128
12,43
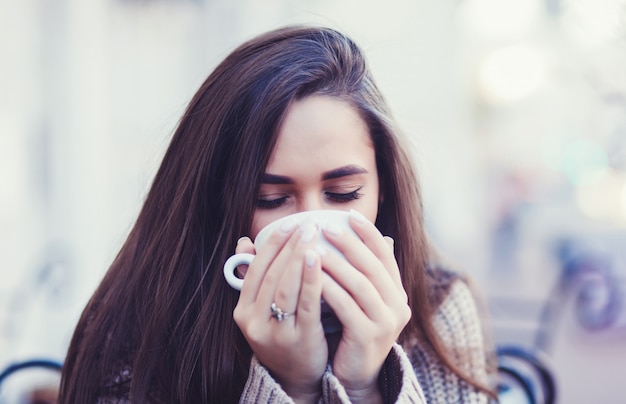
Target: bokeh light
x,y
512,73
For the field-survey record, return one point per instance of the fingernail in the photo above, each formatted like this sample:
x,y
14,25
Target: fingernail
x,y
308,232
310,257
288,225
241,239
320,250
358,216
332,228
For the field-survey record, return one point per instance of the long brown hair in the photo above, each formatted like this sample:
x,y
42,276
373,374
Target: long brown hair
x,y
163,309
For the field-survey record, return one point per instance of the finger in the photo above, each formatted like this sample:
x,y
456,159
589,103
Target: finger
x,y
371,249
377,244
263,259
390,242
283,279
370,254
349,313
244,245
309,307
355,284
395,275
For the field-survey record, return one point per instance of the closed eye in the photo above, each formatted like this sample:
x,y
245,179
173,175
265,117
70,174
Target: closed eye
x,y
344,197
271,203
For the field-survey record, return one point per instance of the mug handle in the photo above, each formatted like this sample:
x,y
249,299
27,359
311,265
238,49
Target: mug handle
x,y
230,266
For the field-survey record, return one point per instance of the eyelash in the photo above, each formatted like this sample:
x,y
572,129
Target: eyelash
x,y
333,196
343,198
271,203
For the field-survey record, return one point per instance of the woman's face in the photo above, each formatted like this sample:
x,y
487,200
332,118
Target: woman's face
x,y
324,159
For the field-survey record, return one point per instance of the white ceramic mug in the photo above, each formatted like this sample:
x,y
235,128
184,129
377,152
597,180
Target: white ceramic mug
x,y
321,218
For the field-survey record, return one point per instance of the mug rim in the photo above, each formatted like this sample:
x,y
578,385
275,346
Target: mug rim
x,y
270,227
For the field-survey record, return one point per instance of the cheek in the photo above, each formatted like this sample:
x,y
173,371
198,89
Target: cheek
x,y
257,225
260,220
370,210
371,214
370,207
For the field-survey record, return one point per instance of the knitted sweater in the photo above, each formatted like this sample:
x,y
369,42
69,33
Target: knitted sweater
x,y
414,375
409,375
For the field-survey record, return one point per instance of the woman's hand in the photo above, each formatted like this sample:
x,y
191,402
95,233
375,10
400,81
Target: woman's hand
x,y
367,295
286,271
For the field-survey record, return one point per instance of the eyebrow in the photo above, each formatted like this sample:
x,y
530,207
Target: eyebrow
x,y
276,179
343,172
329,175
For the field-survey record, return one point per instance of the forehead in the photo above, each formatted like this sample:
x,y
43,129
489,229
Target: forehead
x,y
321,131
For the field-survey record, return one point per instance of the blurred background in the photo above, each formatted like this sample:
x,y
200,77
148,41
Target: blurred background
x,y
516,111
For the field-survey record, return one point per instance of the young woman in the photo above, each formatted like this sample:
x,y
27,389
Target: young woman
x,y
289,121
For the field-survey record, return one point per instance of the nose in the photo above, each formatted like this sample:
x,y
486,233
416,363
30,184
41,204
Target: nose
x,y
311,202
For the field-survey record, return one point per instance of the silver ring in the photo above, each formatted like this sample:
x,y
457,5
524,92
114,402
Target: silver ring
x,y
278,313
